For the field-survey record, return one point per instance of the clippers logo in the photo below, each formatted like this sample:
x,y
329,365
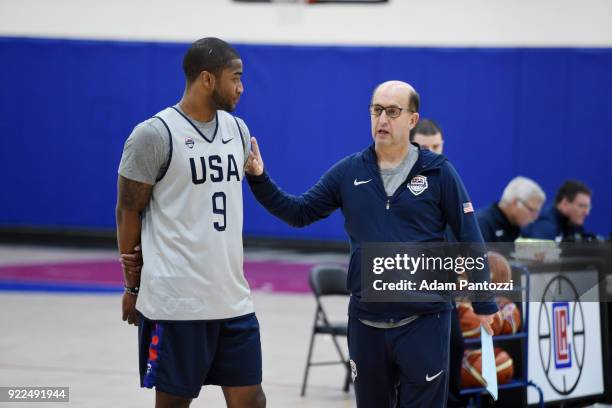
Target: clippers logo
x,y
561,335
189,142
561,323
417,185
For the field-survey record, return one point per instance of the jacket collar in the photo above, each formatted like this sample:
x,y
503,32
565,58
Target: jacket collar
x,y
427,160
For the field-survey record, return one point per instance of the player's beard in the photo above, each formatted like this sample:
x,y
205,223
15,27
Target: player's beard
x,y
221,102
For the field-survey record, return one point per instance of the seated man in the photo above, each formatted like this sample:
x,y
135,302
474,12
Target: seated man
x,y
566,217
519,206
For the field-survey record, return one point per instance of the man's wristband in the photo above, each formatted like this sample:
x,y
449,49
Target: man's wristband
x,y
132,291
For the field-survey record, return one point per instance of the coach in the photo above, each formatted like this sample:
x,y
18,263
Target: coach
x,y
390,192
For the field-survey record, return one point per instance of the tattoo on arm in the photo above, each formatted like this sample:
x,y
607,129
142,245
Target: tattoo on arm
x,y
133,195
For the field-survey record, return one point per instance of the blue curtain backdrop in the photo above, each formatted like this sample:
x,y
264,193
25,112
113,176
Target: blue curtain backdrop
x,y
67,106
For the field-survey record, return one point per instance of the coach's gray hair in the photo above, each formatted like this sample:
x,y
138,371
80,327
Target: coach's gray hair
x,y
522,188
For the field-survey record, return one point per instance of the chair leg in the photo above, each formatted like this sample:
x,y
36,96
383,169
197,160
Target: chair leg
x,y
345,362
347,380
308,359
335,341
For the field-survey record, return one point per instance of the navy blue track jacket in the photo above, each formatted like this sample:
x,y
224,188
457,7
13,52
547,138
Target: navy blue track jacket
x,y
495,226
371,216
551,224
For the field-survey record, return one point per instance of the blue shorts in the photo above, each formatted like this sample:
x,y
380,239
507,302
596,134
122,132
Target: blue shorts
x,y
179,357
406,366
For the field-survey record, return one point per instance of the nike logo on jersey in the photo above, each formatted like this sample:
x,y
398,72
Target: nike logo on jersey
x,y
428,378
356,182
226,141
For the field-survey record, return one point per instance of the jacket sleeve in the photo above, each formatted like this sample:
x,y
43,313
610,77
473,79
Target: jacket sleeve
x,y
485,228
298,211
459,212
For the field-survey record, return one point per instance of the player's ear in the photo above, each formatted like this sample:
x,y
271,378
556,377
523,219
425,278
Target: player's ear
x,y
564,202
207,80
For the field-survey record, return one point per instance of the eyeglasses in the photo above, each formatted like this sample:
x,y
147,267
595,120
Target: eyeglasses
x,y
583,206
391,111
532,210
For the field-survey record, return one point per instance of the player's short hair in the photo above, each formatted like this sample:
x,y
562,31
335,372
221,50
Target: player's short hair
x,y
522,188
207,54
569,189
426,127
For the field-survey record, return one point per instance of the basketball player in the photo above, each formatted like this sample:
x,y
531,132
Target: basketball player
x,y
180,199
389,343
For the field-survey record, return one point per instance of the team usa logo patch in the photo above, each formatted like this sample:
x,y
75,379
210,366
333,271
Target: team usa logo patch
x,y
189,142
353,370
417,185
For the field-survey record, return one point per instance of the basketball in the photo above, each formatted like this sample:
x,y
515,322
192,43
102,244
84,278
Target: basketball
x,y
462,308
470,325
504,366
510,316
500,269
471,368
497,324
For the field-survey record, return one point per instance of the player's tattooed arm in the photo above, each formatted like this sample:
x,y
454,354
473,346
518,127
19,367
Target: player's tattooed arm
x,y
133,195
132,199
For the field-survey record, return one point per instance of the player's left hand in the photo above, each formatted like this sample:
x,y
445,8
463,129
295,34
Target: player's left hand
x,y
255,164
132,263
128,309
485,321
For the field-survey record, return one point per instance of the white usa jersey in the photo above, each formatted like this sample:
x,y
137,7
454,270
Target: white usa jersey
x,y
192,228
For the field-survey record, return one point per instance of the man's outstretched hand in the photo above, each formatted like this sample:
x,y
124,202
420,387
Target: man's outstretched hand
x,y
485,321
255,164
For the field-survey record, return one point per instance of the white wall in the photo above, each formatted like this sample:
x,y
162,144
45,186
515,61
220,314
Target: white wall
x,y
400,22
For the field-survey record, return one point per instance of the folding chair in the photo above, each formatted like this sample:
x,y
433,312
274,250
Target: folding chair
x,y
327,281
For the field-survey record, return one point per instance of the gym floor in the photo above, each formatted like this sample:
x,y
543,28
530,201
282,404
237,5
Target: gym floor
x,y
61,326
